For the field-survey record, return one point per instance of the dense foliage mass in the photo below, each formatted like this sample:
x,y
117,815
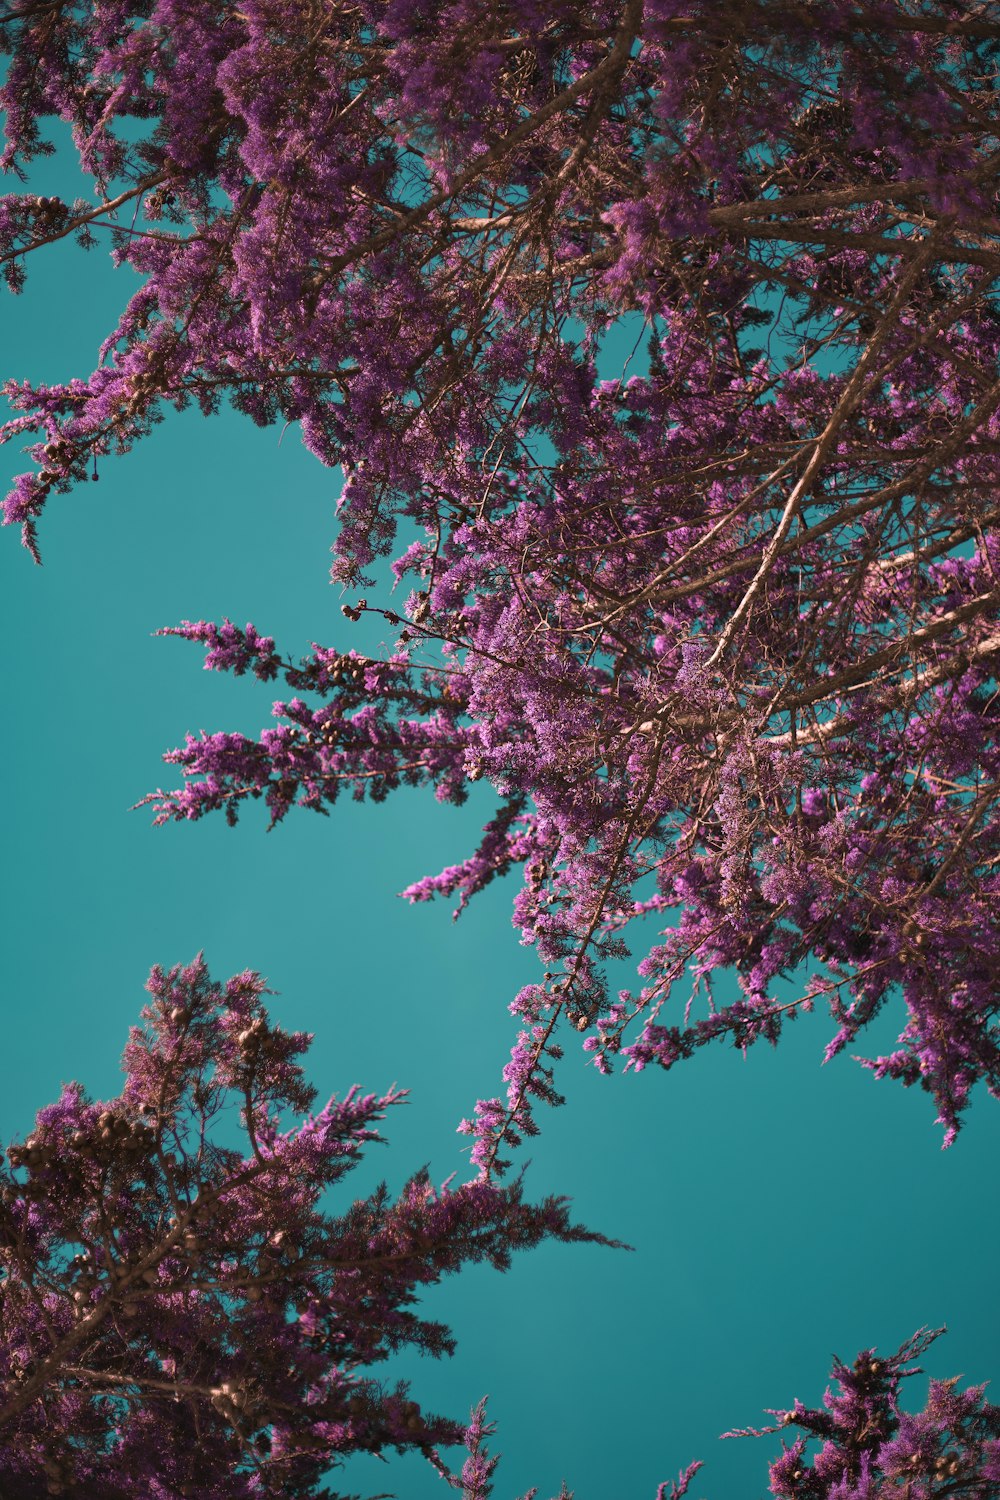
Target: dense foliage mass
x,y
658,345
720,626
870,1448
181,1314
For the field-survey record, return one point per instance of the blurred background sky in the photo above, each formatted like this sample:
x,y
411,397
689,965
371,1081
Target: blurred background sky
x,y
780,1211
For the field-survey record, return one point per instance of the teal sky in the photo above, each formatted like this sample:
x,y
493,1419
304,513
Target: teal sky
x,y
780,1211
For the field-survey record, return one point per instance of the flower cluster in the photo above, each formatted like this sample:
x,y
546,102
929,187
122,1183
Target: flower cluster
x,y
716,617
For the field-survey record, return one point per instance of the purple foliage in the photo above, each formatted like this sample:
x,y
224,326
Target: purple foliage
x,y
183,1310
722,631
870,1448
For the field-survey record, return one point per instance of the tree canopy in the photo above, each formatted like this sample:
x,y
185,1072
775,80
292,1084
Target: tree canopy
x,y
181,1314
657,343
720,628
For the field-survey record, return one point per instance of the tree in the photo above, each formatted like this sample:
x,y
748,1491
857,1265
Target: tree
x,y
180,1312
717,616
722,632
